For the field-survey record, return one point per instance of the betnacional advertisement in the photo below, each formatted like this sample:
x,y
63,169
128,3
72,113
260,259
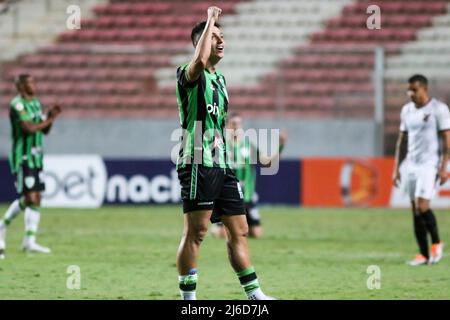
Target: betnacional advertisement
x,y
90,181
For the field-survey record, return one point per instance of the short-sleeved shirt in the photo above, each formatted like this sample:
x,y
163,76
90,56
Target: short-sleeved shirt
x,y
27,148
423,126
203,107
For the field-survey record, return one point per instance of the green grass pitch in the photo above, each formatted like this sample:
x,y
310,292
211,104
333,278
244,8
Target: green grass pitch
x,y
129,253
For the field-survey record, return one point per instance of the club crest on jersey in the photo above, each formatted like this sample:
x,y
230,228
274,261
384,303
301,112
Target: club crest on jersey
x,y
218,143
426,117
29,182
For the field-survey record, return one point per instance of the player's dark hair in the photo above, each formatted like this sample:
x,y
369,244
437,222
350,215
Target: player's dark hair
x,y
197,31
419,78
21,78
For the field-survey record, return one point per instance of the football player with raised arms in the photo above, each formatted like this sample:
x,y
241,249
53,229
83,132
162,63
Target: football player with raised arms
x,y
207,181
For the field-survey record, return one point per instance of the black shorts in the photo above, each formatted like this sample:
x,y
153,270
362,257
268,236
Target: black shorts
x,y
252,214
216,189
29,180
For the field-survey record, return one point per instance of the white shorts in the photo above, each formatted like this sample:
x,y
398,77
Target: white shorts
x,y
421,181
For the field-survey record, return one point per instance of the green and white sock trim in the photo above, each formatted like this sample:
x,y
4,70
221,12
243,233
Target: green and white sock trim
x,y
188,285
32,217
30,233
13,211
248,279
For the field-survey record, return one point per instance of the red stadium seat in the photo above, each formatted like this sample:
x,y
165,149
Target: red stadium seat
x,y
85,70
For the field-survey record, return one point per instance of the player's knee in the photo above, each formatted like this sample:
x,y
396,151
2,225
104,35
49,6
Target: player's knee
x,y
423,206
197,232
32,200
239,232
35,201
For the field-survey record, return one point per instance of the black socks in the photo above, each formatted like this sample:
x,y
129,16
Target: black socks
x,y
421,234
423,223
430,223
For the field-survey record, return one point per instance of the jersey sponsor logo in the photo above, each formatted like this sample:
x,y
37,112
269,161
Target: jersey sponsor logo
x,y
29,182
213,108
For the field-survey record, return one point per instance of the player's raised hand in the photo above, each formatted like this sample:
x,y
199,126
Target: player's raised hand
x,y
443,177
54,111
213,13
396,178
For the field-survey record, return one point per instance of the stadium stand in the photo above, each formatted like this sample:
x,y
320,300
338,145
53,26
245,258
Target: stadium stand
x,y
429,54
27,25
306,58
401,22
108,65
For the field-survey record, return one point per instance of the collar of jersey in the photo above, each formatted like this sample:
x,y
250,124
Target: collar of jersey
x,y
425,106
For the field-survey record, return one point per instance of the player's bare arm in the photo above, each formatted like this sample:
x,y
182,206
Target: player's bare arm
x,y
30,127
445,139
399,157
203,47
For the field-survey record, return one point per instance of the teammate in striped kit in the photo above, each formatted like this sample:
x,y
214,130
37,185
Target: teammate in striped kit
x,y
207,182
28,125
425,125
242,152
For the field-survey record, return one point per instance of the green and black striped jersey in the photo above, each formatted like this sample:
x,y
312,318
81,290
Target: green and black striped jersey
x,y
243,156
26,148
203,106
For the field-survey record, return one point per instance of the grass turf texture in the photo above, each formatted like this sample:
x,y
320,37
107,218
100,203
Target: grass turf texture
x,y
129,253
